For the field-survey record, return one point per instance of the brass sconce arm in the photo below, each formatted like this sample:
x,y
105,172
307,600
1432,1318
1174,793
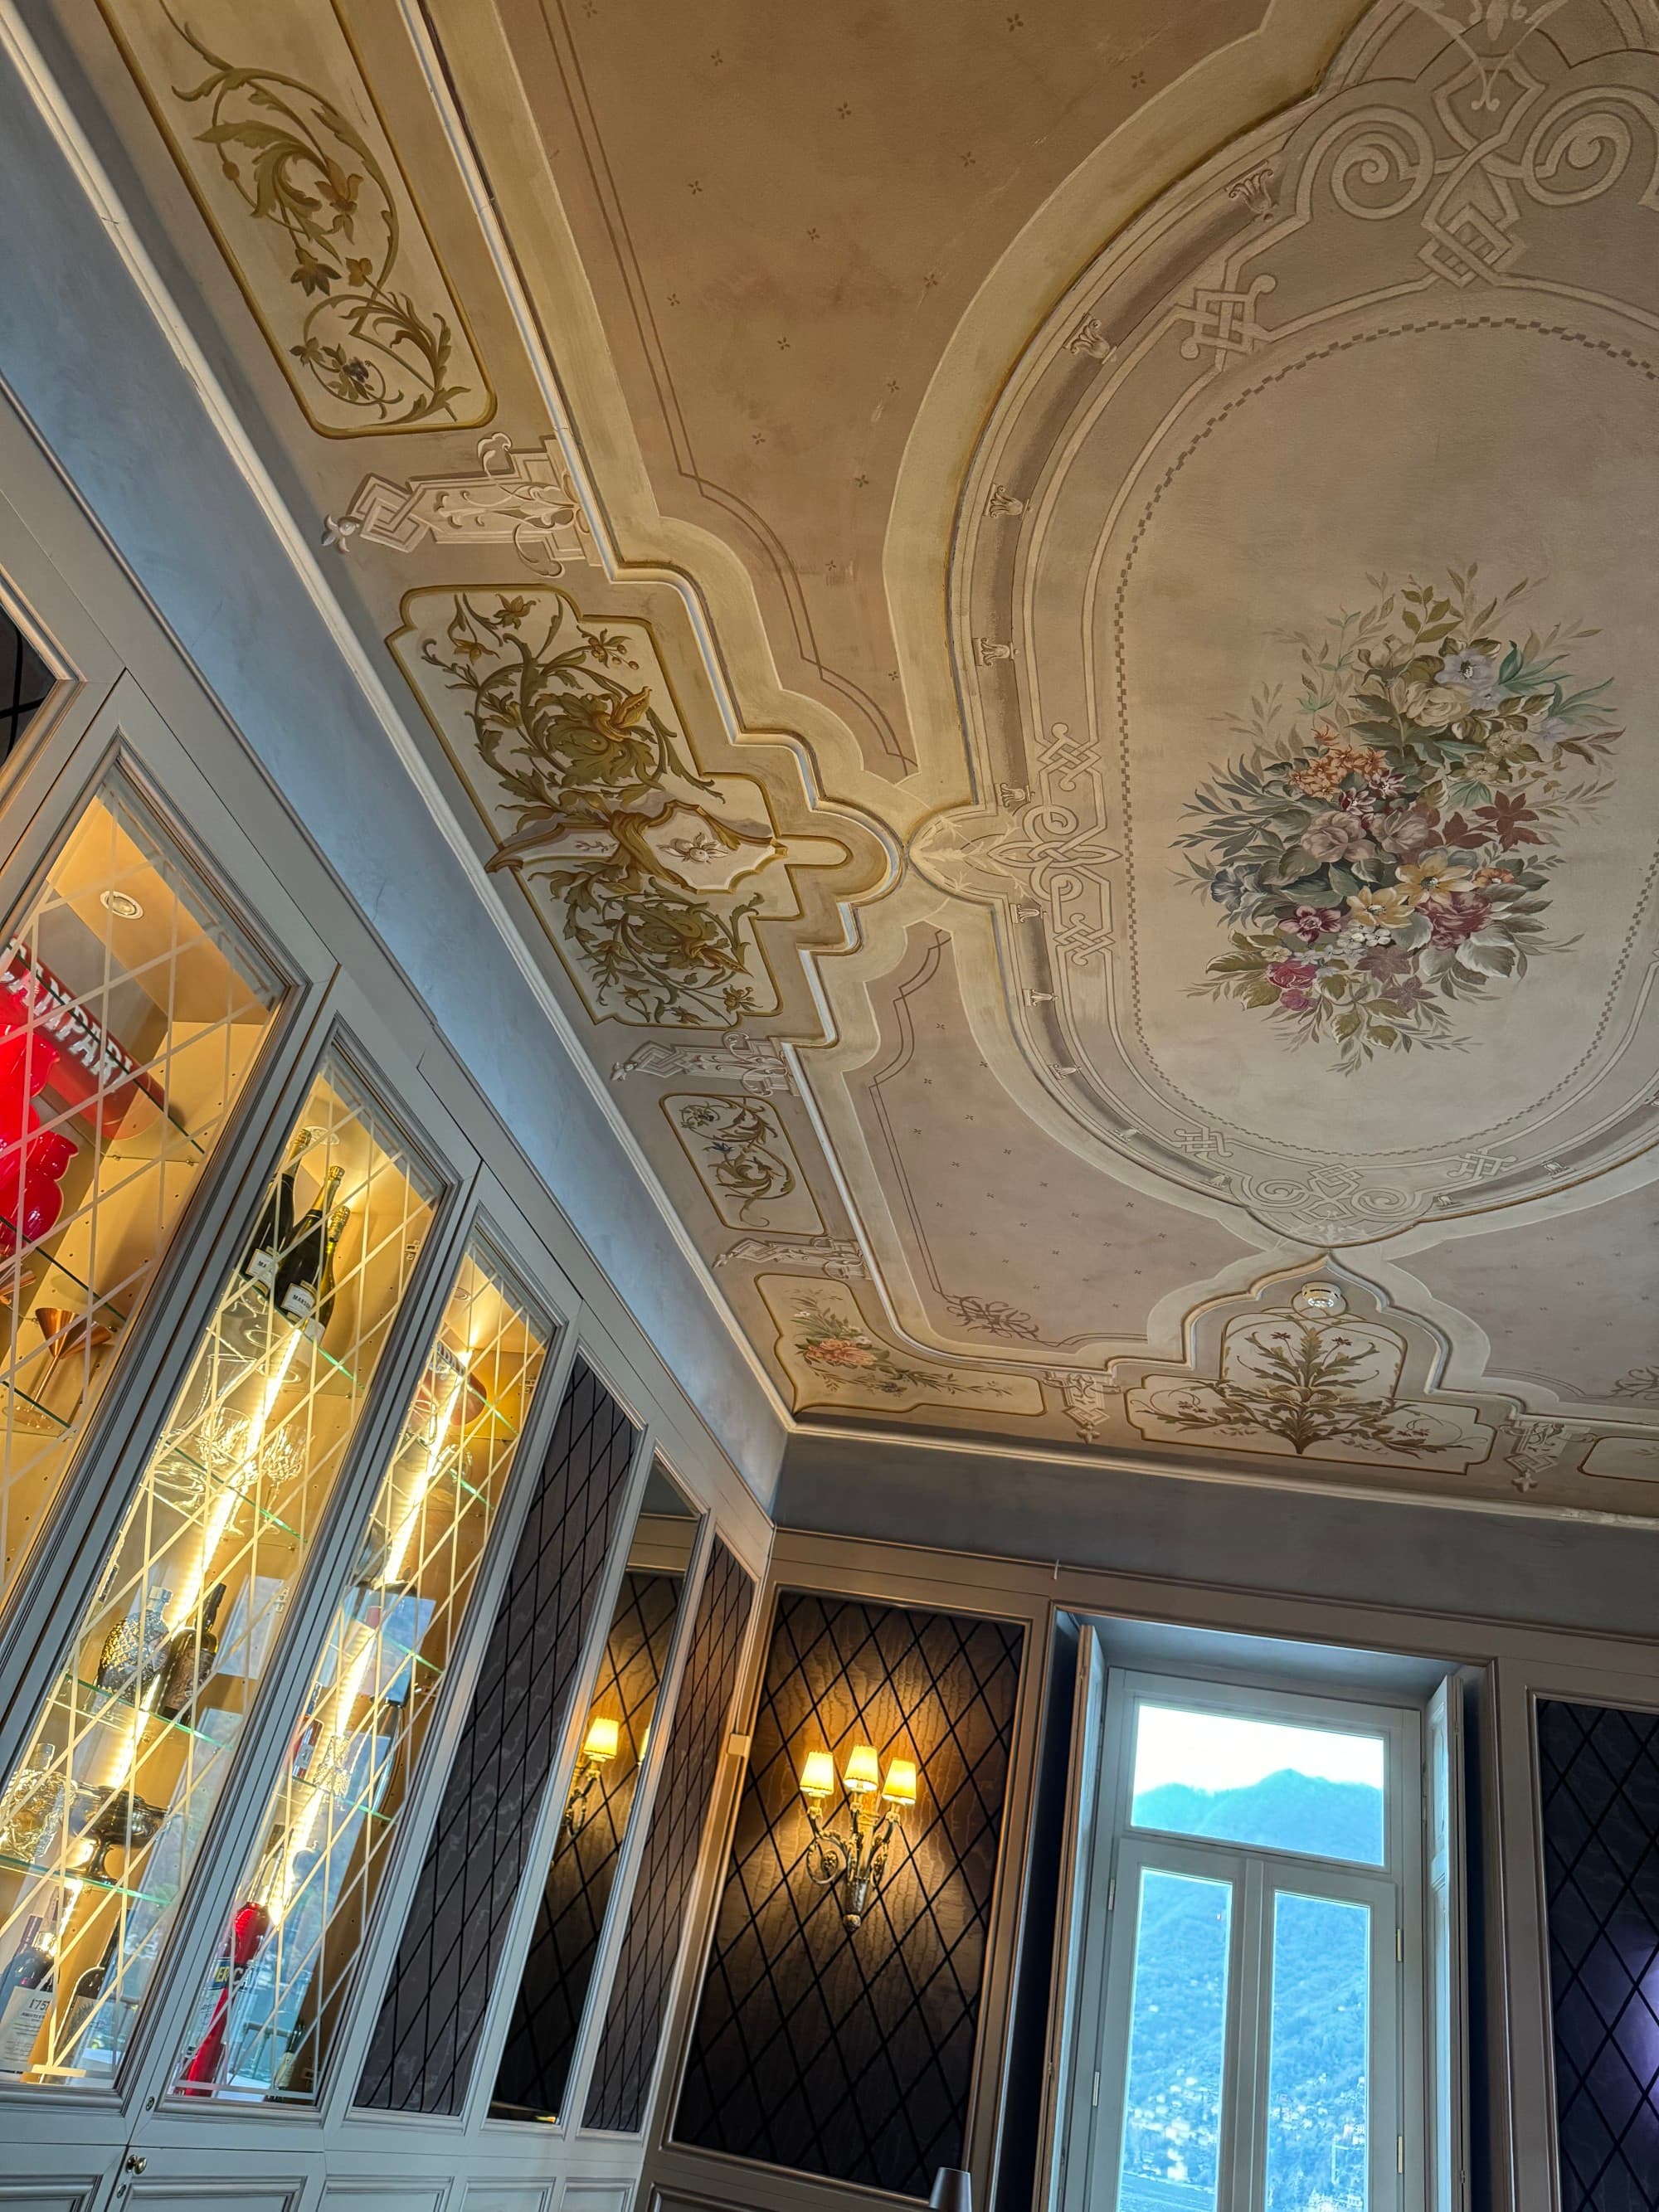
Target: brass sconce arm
x,y
856,1862
598,1749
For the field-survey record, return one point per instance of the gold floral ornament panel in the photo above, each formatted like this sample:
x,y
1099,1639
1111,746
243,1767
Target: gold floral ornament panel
x,y
648,876
268,114
742,1155
1314,1380
832,1360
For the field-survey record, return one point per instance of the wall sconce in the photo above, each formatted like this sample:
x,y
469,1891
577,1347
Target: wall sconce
x,y
598,1749
858,1860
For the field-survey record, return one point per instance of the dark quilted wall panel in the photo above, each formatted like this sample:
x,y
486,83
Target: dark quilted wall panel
x,y
1599,1781
850,2055
699,1725
541,2041
420,2058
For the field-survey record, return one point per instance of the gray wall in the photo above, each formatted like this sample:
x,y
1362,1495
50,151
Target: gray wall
x,y
1562,1574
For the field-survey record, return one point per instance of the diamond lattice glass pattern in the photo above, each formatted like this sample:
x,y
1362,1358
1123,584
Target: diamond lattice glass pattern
x,y
130,1012
851,2056
421,2055
1598,1788
644,1973
541,2041
138,1734
264,2022
25,685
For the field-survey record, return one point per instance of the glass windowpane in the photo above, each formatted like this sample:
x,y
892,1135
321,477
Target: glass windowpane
x,y
104,1817
1279,1786
1177,2025
26,684
265,2016
1318,2074
130,1012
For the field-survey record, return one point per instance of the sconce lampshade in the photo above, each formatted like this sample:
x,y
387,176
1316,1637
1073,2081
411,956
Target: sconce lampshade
x,y
862,1771
601,1744
818,1776
952,2191
900,1787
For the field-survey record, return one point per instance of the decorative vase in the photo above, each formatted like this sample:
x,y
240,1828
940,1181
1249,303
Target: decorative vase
x,y
30,1808
127,1823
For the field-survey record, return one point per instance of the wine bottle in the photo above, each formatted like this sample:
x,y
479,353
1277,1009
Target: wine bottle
x,y
191,1654
88,1988
28,1997
249,1926
274,1228
302,1270
316,1326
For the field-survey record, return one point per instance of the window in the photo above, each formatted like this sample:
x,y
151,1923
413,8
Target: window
x,y
1255,1991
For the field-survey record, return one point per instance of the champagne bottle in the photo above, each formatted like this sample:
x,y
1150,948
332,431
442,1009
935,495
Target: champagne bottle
x,y
300,1274
28,1998
88,1988
249,1926
191,1654
275,1227
317,1326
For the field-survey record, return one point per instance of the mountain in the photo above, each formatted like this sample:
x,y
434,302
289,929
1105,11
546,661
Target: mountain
x,y
1286,1811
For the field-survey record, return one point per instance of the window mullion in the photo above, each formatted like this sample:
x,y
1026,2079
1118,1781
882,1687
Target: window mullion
x,y
1245,2089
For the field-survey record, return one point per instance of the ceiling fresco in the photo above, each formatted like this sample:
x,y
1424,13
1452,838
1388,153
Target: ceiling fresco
x,y
1049,640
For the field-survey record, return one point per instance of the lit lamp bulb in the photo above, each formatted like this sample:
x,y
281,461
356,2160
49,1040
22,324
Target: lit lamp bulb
x,y
900,1787
862,1772
600,1745
818,1776
598,1749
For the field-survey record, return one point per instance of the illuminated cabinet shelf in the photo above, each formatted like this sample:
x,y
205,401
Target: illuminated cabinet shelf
x,y
103,1820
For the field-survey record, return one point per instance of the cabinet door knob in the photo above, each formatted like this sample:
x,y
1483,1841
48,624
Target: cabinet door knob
x,y
135,2164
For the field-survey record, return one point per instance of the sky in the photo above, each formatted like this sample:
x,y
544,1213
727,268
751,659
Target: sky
x,y
1221,1751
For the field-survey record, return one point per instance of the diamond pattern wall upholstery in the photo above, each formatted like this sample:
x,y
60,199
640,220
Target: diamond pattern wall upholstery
x,y
850,2055
420,2059
644,1968
547,2018
1599,1785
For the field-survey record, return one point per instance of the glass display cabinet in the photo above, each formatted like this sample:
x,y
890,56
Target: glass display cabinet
x,y
266,2017
102,1820
534,2076
132,1010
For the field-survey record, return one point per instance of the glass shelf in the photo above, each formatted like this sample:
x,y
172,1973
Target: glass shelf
x,y
119,1709
69,1876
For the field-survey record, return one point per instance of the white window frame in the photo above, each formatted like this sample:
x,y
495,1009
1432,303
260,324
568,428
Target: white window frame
x,y
1092,2115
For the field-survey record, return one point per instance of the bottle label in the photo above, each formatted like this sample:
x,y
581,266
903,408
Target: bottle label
x,y
19,2025
298,1302
261,1268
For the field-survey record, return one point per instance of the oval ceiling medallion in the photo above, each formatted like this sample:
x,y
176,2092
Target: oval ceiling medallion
x,y
1304,604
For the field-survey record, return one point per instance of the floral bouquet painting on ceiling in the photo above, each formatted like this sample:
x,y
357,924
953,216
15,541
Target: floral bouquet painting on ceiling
x,y
1384,849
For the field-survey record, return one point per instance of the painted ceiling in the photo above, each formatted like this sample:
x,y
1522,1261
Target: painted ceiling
x,y
1041,616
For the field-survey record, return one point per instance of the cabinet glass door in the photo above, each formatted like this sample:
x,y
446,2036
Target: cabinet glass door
x,y
130,1012
534,2075
266,2017
101,1821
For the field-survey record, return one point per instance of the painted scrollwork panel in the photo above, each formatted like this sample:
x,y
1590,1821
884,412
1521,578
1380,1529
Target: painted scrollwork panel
x,y
649,875
742,1155
833,1358
268,116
